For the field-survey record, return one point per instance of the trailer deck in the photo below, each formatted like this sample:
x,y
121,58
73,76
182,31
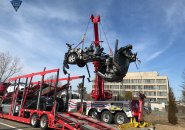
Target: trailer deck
x,y
66,121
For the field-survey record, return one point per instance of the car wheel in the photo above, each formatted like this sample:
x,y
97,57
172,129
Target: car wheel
x,y
120,118
94,114
72,58
34,120
44,122
106,117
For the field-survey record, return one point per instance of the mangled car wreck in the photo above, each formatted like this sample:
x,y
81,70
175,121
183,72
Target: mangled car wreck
x,y
112,68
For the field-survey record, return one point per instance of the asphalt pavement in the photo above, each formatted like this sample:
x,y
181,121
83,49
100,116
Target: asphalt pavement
x,y
12,125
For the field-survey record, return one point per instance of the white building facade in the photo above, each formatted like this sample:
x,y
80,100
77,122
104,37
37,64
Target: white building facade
x,y
155,87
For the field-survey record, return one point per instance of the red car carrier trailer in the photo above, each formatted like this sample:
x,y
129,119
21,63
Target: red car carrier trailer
x,y
40,116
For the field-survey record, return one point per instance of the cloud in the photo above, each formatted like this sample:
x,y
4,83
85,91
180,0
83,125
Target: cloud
x,y
159,52
175,18
175,14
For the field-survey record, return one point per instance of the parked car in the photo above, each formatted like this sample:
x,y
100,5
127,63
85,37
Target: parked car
x,y
11,88
6,104
46,103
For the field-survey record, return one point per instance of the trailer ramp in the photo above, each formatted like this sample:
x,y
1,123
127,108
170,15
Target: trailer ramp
x,y
84,122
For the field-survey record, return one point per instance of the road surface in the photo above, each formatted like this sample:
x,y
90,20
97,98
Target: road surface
x,y
12,125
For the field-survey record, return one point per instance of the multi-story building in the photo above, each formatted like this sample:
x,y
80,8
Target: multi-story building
x,y
155,87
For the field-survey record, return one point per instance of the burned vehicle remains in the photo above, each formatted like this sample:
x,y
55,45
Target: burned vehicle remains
x,y
112,68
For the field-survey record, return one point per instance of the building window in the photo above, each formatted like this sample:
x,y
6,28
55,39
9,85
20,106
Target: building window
x,y
149,81
126,81
162,87
140,87
152,99
162,100
161,93
161,81
122,87
127,86
115,92
133,87
135,81
150,93
149,87
114,86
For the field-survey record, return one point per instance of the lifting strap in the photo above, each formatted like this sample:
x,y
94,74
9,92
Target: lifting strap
x,y
84,35
110,50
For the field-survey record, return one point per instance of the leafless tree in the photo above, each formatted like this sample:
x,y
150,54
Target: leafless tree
x,y
183,87
81,89
9,66
54,77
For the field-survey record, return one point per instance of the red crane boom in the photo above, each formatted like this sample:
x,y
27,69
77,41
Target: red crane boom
x,y
98,92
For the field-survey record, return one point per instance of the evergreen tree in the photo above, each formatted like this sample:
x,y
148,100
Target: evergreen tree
x,y
128,95
172,108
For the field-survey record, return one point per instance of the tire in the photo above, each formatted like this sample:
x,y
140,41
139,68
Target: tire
x,y
72,58
120,118
34,121
94,114
81,63
106,117
44,122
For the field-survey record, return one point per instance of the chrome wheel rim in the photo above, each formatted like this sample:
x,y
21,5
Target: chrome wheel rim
x,y
33,120
94,114
106,118
120,119
71,58
43,123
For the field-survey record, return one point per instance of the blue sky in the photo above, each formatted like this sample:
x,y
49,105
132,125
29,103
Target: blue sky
x,y
37,33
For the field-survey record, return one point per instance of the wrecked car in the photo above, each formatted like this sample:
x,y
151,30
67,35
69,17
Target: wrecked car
x,y
112,68
81,57
117,66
